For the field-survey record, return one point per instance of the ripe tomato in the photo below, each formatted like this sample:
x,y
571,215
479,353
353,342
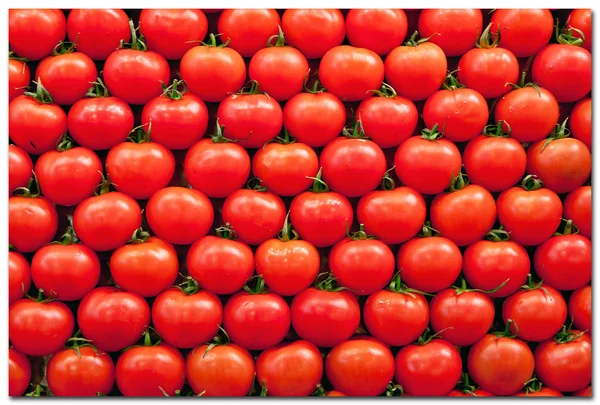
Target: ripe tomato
x,y
581,122
580,308
32,222
578,208
179,215
349,72
83,371
33,33
361,367
19,77
313,31
39,328
291,369
19,276
248,30
106,221
379,30
20,168
453,30
19,373
524,31
172,32
334,393
112,318
581,19
98,32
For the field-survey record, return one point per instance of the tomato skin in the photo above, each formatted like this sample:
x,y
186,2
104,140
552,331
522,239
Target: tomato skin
x,y
100,123
248,29
325,318
488,71
39,328
313,31
334,393
33,33
69,177
584,392
476,393
580,308
83,374
19,276
432,369
19,373
396,319
581,122
524,32
226,370
500,365
565,70
578,208
361,367
19,77
113,318
256,321
582,20
543,392
32,222
429,264
565,367
20,168
98,32
379,30
388,121
564,262
494,163
35,127
291,369
457,29
349,72
179,215
106,221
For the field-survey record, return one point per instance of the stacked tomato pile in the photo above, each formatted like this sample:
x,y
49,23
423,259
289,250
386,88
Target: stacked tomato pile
x,y
300,202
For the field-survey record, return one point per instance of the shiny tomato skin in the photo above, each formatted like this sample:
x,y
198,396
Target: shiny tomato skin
x,y
98,32
248,29
69,177
19,77
33,33
291,369
584,392
564,262
100,123
35,127
578,208
580,308
20,168
256,321
19,373
107,221
494,163
179,215
349,72
334,393
524,31
32,222
361,367
313,31
581,19
225,370
114,319
19,276
80,374
564,70
580,122
500,365
388,121
488,71
325,318
39,328
396,319
379,30
456,29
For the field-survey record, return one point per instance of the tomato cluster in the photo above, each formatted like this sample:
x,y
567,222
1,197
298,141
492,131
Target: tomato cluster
x,y
295,202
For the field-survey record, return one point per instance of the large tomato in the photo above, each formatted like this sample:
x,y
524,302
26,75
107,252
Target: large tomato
x,y
32,221
313,31
20,168
454,30
578,208
580,21
379,30
33,33
581,122
580,308
19,276
98,32
524,31
19,77
248,30
19,373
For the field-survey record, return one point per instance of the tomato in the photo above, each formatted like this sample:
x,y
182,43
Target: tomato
x,y
325,317
213,72
19,373
431,368
291,369
248,30
112,318
453,30
19,77
32,222
581,19
33,33
39,328
179,215
20,168
580,308
349,72
379,30
106,221
98,32
500,365
530,214
19,276
524,31
224,370
565,365
68,175
476,393
334,393
81,372
361,367
578,208
584,392
172,32
581,122
314,118
538,391
313,31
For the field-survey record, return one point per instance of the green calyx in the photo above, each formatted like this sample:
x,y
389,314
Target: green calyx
x,y
316,89
497,131
149,338
358,132
255,184
78,341
522,84
41,95
567,335
251,88
565,36
397,286
98,90
360,234
280,39
284,139
104,186
31,191
63,48
497,235
68,238
451,82
462,288
327,282
387,182
189,286
226,232
488,40
569,228
427,231
137,43
256,285
531,183
431,134
13,56
218,137
385,91
506,332
139,134
319,186
287,233
212,41
458,182
65,143
175,91
413,39
560,132
394,390
221,339
427,336
139,236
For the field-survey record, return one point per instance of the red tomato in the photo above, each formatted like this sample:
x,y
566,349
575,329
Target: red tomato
x,y
248,30
33,33
469,393
172,32
334,393
313,31
349,72
81,372
179,215
98,32
20,168
19,276
19,373
524,31
291,369
581,122
578,208
453,30
361,367
19,77
106,221
32,222
379,30
581,19
112,318
539,391
580,308
584,392
39,328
